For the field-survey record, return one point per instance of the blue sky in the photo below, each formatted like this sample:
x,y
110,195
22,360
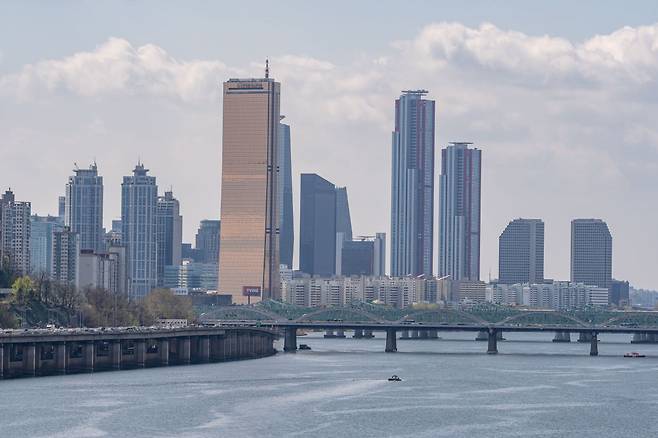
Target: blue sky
x,y
560,96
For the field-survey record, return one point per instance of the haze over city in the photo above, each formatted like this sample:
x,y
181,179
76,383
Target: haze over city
x,y
562,108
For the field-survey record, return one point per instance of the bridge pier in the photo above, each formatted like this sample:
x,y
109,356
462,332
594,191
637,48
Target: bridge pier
x,y
329,334
340,333
391,341
358,333
424,334
204,353
433,334
89,355
415,334
594,345
643,338
60,358
115,354
29,360
368,334
290,339
184,350
562,337
140,353
492,341
2,361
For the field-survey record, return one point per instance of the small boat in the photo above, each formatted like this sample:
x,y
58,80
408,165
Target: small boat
x,y
634,354
304,347
394,378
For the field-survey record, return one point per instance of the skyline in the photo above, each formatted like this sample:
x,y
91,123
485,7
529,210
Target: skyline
x,y
560,170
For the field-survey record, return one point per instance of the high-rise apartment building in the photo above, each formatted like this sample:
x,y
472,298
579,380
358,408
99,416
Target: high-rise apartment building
x,y
591,252
83,210
317,235
15,233
249,242
459,212
170,233
287,227
207,241
139,197
521,252
41,243
412,197
66,257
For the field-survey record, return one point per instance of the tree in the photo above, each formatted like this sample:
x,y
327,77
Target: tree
x,y
163,304
7,318
23,291
103,308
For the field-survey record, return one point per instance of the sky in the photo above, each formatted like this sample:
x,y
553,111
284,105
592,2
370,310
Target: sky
x,y
560,96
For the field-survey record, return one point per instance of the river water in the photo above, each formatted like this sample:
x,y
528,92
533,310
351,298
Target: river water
x,y
533,388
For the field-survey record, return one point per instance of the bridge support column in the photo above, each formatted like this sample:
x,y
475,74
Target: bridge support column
x,y
204,353
391,341
433,334
415,334
140,351
60,358
340,333
329,334
116,354
184,350
492,344
585,337
164,352
424,334
290,341
89,354
368,334
404,334
29,360
562,337
2,360
594,345
358,333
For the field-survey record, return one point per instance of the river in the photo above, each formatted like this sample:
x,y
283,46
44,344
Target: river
x,y
450,387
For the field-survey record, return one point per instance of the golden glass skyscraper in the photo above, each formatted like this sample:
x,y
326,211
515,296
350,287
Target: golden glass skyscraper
x,y
249,240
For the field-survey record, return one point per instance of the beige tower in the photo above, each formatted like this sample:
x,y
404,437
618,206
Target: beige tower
x,y
249,240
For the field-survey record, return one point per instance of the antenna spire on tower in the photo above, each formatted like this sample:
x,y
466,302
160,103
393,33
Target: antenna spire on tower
x,y
267,68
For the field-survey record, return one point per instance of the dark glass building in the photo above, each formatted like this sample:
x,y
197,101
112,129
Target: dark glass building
x,y
317,237
207,241
358,257
591,252
521,252
286,227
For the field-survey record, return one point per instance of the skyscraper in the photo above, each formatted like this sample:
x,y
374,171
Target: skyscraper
x,y
170,233
249,242
41,243
591,252
207,241
379,264
66,257
343,218
521,252
317,223
83,211
15,233
287,227
459,212
412,197
139,197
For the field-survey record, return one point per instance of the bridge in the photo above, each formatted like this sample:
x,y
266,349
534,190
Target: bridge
x,y
488,321
64,351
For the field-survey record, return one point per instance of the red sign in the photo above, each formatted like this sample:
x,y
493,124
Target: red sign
x,y
251,291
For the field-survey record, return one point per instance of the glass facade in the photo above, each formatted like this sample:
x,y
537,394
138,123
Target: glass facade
x,y
249,242
83,208
521,252
591,252
317,235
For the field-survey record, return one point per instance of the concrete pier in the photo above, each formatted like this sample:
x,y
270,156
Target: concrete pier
x,y
368,334
140,351
204,349
492,341
594,345
358,333
562,337
115,354
391,341
290,339
644,338
433,334
585,337
29,360
89,356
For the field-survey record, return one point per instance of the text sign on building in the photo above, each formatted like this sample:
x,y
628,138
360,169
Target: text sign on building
x,y
251,291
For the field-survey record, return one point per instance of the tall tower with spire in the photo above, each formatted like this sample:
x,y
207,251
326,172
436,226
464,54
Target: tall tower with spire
x,y
249,241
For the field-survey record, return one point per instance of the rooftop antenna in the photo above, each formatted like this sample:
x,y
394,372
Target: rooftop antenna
x,y
267,68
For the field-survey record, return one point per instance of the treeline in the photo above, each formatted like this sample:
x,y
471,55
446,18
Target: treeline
x,y
39,301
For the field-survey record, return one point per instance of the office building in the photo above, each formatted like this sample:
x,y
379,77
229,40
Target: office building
x,y
139,197
317,235
207,242
100,271
412,197
61,208
15,233
191,276
591,252
170,233
41,243
66,257
287,226
249,242
521,252
379,263
459,212
619,293
83,210
358,257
